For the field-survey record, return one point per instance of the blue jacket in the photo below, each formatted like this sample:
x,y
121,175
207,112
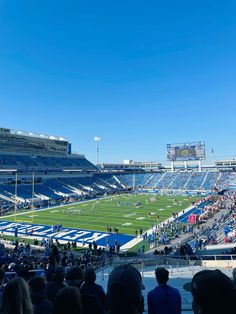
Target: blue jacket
x,y
164,299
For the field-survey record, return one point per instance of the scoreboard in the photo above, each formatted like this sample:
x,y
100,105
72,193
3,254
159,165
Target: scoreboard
x,y
186,151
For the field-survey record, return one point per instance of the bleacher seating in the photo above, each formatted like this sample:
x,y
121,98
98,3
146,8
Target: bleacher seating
x,y
153,180
211,180
180,180
33,163
223,180
108,183
166,180
60,177
195,181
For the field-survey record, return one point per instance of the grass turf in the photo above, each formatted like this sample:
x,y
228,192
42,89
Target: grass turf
x,y
117,211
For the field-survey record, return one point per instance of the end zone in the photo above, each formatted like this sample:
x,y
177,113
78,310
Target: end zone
x,y
80,236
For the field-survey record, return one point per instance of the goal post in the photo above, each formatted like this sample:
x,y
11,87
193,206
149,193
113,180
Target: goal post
x,y
30,214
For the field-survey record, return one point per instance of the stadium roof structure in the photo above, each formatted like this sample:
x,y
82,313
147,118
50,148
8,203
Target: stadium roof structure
x,y
132,165
33,134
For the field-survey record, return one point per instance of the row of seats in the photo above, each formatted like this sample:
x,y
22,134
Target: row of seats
x,y
32,163
204,181
101,183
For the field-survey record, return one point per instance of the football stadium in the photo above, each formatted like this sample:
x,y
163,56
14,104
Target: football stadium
x,y
117,157
144,213
49,192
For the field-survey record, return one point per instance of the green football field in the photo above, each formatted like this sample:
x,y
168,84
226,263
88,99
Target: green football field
x,y
116,211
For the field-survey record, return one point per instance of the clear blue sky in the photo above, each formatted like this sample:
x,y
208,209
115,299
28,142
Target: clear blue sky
x,y
140,74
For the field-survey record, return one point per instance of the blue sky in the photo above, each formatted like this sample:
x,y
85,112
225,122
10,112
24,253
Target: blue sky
x,y
140,74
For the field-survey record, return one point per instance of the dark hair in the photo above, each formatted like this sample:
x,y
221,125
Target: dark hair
x,y
2,275
74,277
213,292
234,275
89,276
162,275
58,274
16,297
37,283
124,290
74,273
67,301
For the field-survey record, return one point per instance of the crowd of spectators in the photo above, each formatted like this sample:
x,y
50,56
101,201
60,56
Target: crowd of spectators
x,y
23,259
223,228
68,281
76,292
164,233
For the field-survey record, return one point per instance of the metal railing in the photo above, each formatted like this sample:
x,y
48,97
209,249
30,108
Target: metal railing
x,y
178,261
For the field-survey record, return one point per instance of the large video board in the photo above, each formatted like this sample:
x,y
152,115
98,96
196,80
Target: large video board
x,y
186,151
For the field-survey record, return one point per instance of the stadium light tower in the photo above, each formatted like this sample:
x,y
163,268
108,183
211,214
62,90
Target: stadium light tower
x,y
97,139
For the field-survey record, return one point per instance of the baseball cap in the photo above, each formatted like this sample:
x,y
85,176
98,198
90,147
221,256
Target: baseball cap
x,y
212,289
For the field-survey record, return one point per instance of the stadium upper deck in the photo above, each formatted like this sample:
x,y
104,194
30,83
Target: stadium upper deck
x,y
58,174
26,151
12,141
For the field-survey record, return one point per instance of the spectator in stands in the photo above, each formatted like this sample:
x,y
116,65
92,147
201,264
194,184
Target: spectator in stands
x,y
2,276
213,293
74,277
90,303
234,276
55,253
56,284
124,291
38,296
164,298
67,301
91,287
16,298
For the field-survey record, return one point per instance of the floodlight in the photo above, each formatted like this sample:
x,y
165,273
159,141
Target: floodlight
x,y
97,138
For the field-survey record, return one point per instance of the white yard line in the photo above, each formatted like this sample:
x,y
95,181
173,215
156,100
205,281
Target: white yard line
x,y
124,247
48,208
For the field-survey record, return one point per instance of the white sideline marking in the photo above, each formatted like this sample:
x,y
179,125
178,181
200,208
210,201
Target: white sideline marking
x,y
47,208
